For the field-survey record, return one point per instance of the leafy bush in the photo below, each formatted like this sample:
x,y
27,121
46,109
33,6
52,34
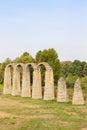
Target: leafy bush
x,y
70,80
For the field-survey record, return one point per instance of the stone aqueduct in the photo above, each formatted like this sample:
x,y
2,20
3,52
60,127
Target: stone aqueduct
x,y
17,81
14,86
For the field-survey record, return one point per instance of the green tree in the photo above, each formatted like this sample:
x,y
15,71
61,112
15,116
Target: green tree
x,y
24,58
65,68
2,69
85,70
70,80
77,68
51,57
84,82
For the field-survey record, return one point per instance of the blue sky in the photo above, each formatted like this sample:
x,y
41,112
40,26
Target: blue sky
x,y
33,25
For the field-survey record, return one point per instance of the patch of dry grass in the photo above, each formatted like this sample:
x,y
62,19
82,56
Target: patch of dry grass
x,y
19,113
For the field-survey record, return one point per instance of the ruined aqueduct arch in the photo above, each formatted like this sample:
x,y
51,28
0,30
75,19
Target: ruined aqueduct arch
x,y
8,79
13,84
49,81
17,83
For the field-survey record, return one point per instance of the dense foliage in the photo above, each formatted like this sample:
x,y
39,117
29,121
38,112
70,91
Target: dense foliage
x,y
51,57
69,70
72,70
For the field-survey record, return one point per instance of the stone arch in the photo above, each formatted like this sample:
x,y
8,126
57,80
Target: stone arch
x,y
46,65
8,79
26,86
17,80
49,81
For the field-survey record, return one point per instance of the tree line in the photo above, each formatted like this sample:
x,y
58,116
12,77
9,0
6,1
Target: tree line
x,y
67,69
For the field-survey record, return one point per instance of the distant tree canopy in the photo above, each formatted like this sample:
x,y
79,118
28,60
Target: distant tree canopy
x,y
2,68
72,70
75,68
68,69
24,58
51,57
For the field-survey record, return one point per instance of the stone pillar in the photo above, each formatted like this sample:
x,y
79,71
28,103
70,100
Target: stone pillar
x,y
49,85
26,88
78,95
16,82
36,87
62,95
7,81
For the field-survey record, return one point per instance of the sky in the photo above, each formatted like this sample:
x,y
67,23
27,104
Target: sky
x,y
33,25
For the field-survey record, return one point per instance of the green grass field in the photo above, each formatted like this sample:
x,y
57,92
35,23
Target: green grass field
x,y
1,87
17,113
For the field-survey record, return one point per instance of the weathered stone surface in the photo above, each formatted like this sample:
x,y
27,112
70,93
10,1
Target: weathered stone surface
x,y
62,95
77,95
7,80
16,85
16,90
49,85
36,88
49,82
26,88
21,83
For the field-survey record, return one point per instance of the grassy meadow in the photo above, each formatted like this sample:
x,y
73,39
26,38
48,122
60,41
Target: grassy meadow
x,y
17,113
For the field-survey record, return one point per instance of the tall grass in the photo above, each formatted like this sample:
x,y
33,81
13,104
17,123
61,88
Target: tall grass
x,y
1,87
